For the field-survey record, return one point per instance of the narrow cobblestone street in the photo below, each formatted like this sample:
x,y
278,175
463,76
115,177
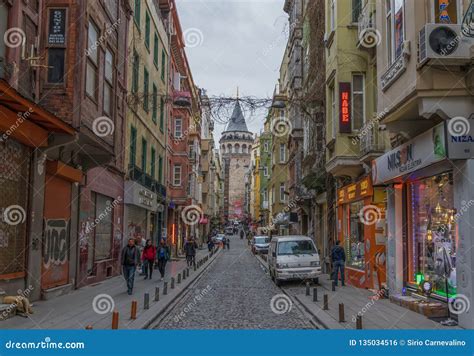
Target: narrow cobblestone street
x,y
234,293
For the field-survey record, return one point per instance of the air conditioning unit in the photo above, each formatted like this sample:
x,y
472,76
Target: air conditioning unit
x,y
444,44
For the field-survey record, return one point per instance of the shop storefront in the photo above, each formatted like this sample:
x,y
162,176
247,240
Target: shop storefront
x,y
140,213
426,206
362,232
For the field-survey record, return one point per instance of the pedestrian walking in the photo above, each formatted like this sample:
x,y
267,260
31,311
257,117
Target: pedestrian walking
x,y
190,249
163,254
148,258
249,237
228,243
338,257
242,233
130,260
210,243
224,242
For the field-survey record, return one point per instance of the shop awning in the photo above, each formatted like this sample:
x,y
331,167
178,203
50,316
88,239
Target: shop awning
x,y
26,121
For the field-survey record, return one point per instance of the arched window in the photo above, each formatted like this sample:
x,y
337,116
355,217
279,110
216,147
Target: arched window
x,y
244,148
237,148
229,148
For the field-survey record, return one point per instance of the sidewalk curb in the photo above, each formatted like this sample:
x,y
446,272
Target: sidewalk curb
x,y
302,302
192,278
324,320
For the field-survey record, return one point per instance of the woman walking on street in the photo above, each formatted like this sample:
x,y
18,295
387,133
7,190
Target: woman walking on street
x,y
163,254
148,258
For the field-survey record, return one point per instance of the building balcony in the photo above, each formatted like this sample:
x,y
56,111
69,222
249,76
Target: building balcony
x,y
372,144
182,99
205,165
137,175
368,35
205,145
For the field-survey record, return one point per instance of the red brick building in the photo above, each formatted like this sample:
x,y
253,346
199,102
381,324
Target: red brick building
x,y
84,43
183,136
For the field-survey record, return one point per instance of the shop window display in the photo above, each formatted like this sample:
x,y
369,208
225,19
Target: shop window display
x,y
354,235
432,235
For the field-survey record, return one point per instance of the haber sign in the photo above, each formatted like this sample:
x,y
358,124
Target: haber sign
x,y
345,108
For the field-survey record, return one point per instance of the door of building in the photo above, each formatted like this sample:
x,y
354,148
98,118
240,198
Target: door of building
x,y
56,243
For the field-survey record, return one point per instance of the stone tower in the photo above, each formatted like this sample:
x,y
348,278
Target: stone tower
x,y
236,144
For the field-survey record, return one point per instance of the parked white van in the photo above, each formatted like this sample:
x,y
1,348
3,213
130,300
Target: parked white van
x,y
293,257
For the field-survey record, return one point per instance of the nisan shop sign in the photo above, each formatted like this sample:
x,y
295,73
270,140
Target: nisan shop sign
x,y
401,159
420,152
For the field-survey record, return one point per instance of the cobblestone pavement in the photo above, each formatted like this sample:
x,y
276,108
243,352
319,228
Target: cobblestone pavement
x,y
235,293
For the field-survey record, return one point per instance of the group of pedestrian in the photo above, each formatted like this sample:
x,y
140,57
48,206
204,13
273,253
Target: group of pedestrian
x,y
150,255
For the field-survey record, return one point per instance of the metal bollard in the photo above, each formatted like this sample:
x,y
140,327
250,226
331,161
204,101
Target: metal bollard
x,y
333,286
179,278
341,313
115,320
187,271
325,302
359,322
194,265
133,310
307,288
184,275
146,301
157,294
165,288
315,294
172,282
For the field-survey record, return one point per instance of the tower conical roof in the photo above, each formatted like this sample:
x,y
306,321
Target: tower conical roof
x,y
237,120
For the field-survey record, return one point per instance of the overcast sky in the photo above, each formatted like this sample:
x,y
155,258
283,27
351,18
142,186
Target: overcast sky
x,y
232,43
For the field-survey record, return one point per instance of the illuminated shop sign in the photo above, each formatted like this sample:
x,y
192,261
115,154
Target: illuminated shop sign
x,y
345,107
423,150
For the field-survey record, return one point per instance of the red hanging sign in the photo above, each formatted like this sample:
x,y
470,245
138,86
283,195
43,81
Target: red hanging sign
x,y
345,108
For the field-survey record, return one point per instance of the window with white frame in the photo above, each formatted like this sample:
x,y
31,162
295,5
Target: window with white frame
x,y
178,127
395,26
282,153
358,101
265,195
265,171
332,14
92,60
356,10
108,83
177,175
265,147
282,192
332,93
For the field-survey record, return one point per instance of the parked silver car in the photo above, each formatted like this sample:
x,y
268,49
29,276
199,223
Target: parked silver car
x,y
293,257
260,244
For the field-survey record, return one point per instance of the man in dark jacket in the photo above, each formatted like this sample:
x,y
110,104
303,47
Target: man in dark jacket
x,y
338,257
190,249
130,260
